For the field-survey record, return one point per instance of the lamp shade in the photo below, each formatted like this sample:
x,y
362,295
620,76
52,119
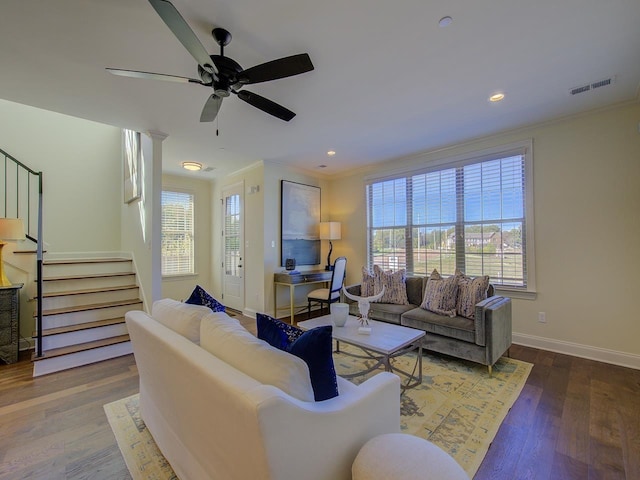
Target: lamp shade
x,y
330,231
11,229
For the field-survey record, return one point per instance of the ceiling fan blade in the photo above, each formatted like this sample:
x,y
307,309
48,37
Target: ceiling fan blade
x,y
210,110
266,105
281,68
152,76
183,32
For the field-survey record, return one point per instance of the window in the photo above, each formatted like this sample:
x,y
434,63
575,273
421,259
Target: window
x,y
177,233
470,213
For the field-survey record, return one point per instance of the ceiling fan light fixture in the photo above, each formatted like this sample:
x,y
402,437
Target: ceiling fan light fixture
x,y
192,166
496,97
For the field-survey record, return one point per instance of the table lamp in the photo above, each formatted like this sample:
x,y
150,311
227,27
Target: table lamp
x,y
329,231
11,230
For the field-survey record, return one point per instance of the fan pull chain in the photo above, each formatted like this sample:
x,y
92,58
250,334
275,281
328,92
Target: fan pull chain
x,y
217,125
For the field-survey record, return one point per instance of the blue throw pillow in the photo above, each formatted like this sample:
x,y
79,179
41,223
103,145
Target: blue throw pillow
x,y
315,347
199,296
275,332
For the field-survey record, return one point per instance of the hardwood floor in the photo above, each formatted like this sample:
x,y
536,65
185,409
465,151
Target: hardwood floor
x,y
575,419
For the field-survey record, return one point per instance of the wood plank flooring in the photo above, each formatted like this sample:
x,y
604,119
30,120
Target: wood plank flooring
x,y
575,419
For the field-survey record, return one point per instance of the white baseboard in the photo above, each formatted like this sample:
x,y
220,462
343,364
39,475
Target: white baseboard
x,y
249,312
614,357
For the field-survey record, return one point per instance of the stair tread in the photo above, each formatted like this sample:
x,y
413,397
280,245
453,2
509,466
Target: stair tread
x,y
81,326
89,290
95,306
86,275
74,261
81,347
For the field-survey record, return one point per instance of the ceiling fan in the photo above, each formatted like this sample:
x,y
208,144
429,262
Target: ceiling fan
x,y
222,73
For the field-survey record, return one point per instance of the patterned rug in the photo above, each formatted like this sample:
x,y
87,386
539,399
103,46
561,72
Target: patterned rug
x,y
458,407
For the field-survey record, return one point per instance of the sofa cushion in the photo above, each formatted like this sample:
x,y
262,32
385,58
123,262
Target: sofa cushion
x,y
180,317
440,294
385,312
200,296
233,344
470,292
395,290
415,289
454,327
314,346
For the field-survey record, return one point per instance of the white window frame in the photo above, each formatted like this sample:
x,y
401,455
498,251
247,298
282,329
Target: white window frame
x,y
444,162
189,268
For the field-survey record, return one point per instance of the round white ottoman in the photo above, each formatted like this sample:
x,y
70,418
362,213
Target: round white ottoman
x,y
398,456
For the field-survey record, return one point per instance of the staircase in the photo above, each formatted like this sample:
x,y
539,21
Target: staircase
x,y
83,306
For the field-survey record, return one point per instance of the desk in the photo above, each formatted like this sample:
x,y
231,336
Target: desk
x,y
292,281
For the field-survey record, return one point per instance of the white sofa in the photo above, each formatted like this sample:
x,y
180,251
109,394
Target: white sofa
x,y
214,421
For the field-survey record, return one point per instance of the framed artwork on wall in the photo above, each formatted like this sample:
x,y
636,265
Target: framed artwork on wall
x,y
300,220
132,166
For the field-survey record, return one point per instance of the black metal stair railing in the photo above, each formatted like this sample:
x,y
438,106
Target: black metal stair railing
x,y
22,193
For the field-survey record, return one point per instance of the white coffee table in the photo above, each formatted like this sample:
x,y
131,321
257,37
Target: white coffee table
x,y
386,341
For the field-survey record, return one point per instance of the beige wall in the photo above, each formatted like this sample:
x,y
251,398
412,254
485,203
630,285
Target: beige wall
x,y
180,287
587,225
72,154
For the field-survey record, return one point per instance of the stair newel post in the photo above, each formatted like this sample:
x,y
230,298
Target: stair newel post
x,y
39,257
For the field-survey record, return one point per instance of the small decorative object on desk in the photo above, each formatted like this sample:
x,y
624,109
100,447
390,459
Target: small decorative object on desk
x,y
363,308
290,264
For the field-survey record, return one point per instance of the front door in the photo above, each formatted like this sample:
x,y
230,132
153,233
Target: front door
x,y
233,246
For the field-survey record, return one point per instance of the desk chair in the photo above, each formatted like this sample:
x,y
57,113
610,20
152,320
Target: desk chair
x,y
331,294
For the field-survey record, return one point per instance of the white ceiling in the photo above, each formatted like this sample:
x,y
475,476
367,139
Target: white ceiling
x,y
388,80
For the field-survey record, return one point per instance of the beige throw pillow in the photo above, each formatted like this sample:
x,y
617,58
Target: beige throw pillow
x,y
470,292
367,286
395,289
440,294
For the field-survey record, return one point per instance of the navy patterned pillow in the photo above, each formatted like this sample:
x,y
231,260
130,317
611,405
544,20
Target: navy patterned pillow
x,y
276,333
199,296
314,346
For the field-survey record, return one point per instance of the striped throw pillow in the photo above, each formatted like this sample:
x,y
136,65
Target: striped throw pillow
x,y
440,294
367,286
395,289
470,291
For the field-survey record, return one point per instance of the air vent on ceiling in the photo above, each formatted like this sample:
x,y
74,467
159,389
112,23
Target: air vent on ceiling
x,y
592,86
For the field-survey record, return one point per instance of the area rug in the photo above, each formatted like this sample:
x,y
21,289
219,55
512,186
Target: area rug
x,y
458,407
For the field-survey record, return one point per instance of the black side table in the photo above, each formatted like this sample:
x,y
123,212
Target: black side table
x,y
10,322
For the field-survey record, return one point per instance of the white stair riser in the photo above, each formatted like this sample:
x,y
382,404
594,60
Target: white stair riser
x,y
56,286
75,318
65,269
65,301
56,364
82,336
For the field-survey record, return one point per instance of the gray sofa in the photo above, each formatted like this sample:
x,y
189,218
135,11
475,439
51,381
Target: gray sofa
x,y
483,340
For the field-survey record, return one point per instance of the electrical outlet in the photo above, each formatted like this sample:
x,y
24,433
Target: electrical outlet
x,y
542,317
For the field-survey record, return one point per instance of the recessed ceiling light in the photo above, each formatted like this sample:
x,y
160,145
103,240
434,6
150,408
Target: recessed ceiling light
x,y
445,21
496,97
331,153
192,166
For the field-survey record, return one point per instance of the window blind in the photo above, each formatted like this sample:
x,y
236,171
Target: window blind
x,y
177,233
468,215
